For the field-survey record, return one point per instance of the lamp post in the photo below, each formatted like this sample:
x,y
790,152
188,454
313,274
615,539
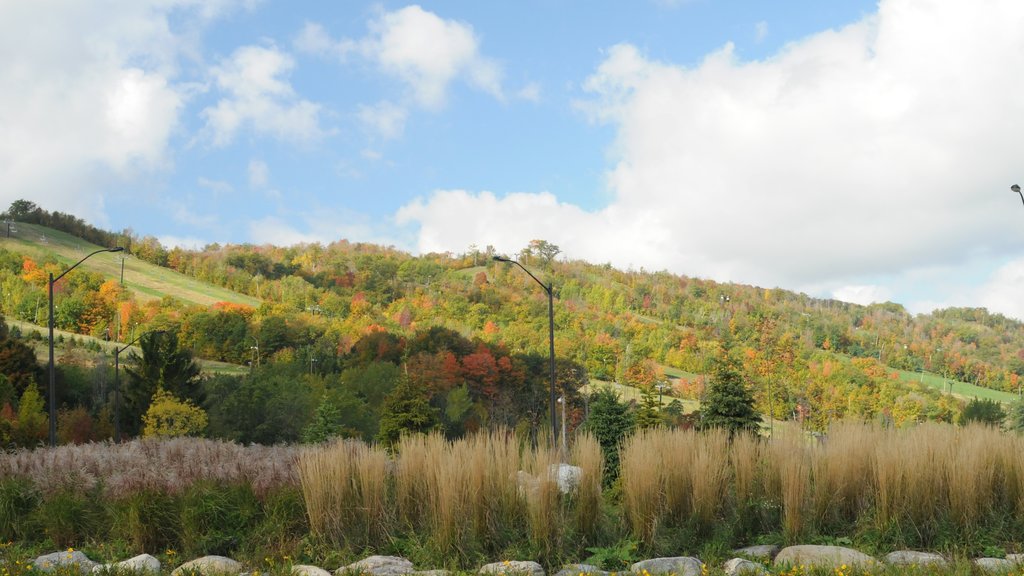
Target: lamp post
x,y
551,343
1016,188
53,386
117,382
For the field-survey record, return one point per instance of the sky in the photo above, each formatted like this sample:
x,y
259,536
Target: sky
x,y
854,150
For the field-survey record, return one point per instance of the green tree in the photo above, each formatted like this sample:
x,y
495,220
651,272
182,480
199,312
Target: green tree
x,y
162,365
30,427
169,417
326,424
1015,419
988,412
406,410
728,403
610,420
648,413
271,405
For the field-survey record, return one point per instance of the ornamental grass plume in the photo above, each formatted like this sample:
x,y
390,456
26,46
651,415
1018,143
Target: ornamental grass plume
x,y
169,466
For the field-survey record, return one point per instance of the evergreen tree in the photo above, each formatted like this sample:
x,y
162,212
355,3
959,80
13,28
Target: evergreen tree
x,y
609,420
406,409
163,364
728,403
325,424
988,412
648,413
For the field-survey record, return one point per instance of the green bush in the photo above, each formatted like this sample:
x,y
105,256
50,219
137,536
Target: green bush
x,y
146,521
216,518
68,517
18,499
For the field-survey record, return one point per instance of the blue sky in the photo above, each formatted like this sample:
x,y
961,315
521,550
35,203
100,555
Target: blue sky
x,y
858,150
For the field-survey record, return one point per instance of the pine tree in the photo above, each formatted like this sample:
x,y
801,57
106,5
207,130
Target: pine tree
x,y
406,409
728,403
325,424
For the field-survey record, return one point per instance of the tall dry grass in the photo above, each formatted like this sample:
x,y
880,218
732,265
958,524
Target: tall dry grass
x,y
150,465
466,499
914,485
586,453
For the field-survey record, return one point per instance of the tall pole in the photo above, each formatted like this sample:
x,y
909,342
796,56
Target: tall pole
x,y
53,386
551,344
117,395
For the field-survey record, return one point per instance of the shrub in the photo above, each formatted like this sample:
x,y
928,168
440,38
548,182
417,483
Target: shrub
x,y
168,417
215,518
18,499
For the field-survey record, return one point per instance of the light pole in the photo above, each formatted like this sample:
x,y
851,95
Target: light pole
x,y
1016,188
551,343
257,349
117,382
53,386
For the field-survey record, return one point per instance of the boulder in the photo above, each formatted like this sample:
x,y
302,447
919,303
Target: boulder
x,y
763,552
567,477
822,556
136,565
379,566
914,558
994,564
68,558
209,565
678,566
1015,558
307,570
738,566
513,567
577,569
432,573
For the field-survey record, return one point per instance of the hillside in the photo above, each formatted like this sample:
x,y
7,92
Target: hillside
x,y
145,280
805,359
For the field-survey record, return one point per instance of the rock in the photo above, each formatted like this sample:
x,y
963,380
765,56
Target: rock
x,y
822,556
994,564
209,565
432,573
68,558
738,566
678,566
567,476
762,552
136,565
1015,558
307,570
513,567
913,557
379,566
577,569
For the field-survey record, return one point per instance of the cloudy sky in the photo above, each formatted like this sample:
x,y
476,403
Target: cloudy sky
x,y
858,150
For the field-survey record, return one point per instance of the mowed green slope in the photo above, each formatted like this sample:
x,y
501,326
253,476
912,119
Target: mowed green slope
x,y
147,281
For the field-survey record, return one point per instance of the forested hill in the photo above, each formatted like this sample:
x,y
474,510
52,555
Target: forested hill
x,y
804,357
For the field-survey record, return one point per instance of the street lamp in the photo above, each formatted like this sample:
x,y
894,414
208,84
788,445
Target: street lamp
x,y
551,342
53,385
117,382
1016,188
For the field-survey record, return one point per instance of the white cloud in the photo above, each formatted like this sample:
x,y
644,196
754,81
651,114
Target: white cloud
x,y
1004,291
862,294
323,225
850,157
90,94
258,95
183,242
530,92
428,52
215,186
385,119
422,50
760,31
259,174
